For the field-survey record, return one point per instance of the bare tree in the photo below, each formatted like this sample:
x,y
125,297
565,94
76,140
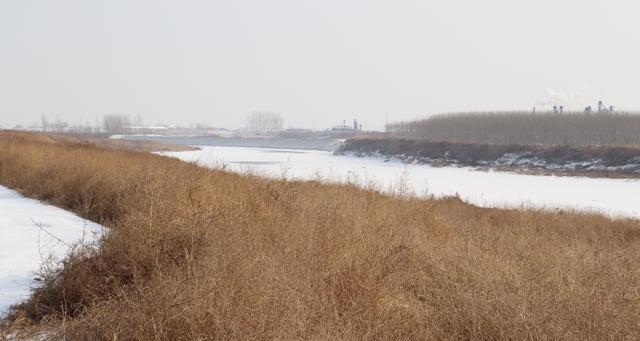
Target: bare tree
x,y
45,122
264,121
116,123
96,126
59,125
138,122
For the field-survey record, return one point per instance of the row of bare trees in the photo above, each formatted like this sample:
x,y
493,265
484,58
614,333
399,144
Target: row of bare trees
x,y
524,128
260,121
110,123
57,125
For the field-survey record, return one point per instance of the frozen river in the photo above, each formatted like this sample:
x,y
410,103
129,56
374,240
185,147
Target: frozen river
x,y
615,197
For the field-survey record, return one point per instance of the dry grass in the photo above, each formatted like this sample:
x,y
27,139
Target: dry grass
x,y
94,140
14,135
197,254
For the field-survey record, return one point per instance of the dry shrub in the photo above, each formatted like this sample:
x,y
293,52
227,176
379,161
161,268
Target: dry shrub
x,y
197,254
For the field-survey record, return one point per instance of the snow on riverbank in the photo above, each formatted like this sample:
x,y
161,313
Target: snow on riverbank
x,y
30,232
615,197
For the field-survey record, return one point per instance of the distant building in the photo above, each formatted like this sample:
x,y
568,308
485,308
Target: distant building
x,y
146,130
341,128
345,127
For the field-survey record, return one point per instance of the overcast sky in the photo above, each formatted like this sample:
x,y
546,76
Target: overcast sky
x,y
314,62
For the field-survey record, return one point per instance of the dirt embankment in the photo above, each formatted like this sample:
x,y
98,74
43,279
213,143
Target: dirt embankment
x,y
621,161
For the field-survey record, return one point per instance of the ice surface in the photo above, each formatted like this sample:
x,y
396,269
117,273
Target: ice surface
x,y
615,197
30,232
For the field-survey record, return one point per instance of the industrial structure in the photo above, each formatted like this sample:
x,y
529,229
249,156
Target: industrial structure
x,y
602,109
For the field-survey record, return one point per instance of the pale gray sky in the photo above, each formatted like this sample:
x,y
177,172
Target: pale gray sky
x,y
314,62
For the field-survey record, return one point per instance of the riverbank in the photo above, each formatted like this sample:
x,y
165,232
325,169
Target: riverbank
x,y
594,161
196,253
101,141
484,188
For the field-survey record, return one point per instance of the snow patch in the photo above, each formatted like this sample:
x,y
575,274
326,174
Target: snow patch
x,y
30,234
521,160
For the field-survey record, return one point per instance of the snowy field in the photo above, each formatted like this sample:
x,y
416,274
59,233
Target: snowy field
x,y
615,197
30,234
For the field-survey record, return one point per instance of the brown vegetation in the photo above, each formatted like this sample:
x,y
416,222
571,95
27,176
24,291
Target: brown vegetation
x,y
524,128
198,254
95,140
138,145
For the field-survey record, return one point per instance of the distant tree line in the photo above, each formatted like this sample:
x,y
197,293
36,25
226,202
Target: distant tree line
x,y
59,126
110,124
524,128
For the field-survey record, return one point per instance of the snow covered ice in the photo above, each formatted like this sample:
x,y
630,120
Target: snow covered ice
x,y
615,197
31,232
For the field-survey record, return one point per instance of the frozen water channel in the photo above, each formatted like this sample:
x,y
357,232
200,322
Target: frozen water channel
x,y
30,233
615,197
